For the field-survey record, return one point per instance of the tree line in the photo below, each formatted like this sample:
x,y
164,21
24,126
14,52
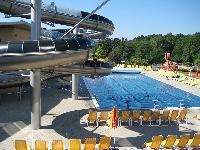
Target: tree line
x,y
147,50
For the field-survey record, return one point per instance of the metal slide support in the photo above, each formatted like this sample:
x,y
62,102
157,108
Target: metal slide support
x,y
88,16
36,99
35,81
75,84
75,77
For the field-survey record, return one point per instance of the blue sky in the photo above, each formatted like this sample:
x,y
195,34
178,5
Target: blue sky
x,y
143,17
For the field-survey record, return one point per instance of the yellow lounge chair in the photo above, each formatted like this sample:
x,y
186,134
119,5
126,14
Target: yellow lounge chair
x,y
135,116
169,142
145,116
195,142
57,145
182,142
174,116
104,143
155,144
103,117
41,145
21,145
165,116
92,117
90,144
196,116
75,144
155,117
125,117
182,116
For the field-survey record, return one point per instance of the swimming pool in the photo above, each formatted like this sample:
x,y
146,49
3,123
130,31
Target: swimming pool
x,y
137,91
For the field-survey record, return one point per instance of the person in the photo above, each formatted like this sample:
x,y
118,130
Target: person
x,y
197,73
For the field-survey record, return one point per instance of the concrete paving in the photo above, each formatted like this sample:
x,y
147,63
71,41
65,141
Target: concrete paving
x,y
64,118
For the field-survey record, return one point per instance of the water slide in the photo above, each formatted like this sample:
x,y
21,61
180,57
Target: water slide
x,y
49,53
58,15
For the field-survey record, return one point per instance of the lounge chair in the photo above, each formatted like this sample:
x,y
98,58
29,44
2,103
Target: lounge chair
x,y
92,118
21,145
155,117
125,117
104,143
135,116
155,144
169,142
41,145
182,142
57,145
174,116
145,116
103,117
89,143
75,144
182,116
195,142
165,116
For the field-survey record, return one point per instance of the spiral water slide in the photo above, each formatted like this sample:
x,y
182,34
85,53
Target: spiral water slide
x,y
49,53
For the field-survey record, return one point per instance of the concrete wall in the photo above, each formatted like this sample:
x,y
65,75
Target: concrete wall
x,y
14,34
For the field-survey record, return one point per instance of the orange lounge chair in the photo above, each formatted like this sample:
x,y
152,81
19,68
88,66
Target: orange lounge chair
x,y
103,117
155,144
90,144
41,145
92,118
182,116
165,116
104,143
155,117
125,117
57,145
182,142
21,145
195,142
145,117
169,142
75,144
174,116
135,116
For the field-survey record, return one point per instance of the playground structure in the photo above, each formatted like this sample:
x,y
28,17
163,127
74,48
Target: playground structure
x,y
169,65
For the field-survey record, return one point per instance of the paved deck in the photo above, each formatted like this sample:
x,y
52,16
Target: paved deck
x,y
64,118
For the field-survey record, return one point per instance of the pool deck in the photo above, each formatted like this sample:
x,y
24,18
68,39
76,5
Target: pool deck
x,y
64,118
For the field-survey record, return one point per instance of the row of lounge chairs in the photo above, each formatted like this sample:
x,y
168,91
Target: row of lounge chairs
x,y
172,142
147,68
148,116
180,78
74,144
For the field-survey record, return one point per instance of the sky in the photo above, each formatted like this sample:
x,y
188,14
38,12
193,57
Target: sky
x,y
133,18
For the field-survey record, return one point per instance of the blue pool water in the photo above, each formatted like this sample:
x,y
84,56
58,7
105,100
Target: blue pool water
x,y
137,91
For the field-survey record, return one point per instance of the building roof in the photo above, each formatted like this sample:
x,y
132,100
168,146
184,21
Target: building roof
x,y
16,24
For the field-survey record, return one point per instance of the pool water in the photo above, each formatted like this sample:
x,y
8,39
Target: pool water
x,y
137,91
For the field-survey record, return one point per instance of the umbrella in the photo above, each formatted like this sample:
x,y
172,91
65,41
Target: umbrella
x,y
114,120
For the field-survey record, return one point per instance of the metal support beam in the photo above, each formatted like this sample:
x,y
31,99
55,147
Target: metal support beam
x,y
75,85
36,99
35,81
88,16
